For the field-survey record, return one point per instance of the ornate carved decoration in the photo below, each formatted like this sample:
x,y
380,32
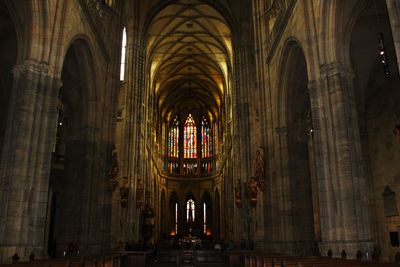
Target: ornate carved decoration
x,y
96,11
277,13
238,194
113,172
124,192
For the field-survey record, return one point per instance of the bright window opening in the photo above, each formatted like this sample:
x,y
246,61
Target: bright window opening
x,y
123,56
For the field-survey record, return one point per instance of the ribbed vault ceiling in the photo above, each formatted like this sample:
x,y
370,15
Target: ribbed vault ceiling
x,y
190,51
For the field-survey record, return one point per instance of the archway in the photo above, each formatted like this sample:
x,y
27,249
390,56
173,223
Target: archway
x,y
191,218
8,59
295,112
377,96
70,177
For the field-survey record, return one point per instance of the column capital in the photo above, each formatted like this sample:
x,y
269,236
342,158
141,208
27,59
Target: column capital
x,y
31,65
336,68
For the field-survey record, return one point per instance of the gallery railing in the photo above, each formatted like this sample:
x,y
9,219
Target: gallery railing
x,y
189,168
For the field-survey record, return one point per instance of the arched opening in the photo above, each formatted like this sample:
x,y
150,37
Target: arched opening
x,y
8,59
298,124
191,216
377,96
70,176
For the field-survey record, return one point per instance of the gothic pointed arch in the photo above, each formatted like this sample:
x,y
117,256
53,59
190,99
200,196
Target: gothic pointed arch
x,y
295,130
73,156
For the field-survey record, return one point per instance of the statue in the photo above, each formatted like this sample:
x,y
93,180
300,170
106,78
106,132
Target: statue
x,y
139,193
113,172
252,189
124,192
259,173
238,194
259,165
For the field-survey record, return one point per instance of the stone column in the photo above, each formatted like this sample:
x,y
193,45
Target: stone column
x,y
242,86
131,148
26,159
343,198
393,7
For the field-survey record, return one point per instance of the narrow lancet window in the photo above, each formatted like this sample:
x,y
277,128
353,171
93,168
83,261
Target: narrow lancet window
x,y
173,139
190,211
190,138
206,140
123,55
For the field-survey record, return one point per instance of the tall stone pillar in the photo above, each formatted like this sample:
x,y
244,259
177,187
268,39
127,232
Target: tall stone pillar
x,y
26,159
342,190
131,148
243,81
393,7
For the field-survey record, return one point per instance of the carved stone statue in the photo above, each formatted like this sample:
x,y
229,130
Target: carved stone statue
x,y
113,172
259,173
238,194
259,164
252,189
139,193
124,192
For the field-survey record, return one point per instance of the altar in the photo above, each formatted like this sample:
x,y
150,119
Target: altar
x,y
189,241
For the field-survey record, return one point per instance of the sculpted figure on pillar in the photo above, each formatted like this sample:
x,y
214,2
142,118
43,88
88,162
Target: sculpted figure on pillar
x,y
113,172
252,189
260,171
124,191
238,194
139,193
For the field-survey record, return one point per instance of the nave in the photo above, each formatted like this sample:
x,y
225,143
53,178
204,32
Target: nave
x,y
269,128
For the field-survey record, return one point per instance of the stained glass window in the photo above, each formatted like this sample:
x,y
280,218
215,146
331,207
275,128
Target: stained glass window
x,y
189,137
206,141
190,210
173,139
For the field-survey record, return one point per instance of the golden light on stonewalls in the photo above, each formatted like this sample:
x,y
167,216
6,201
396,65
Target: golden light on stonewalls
x,y
190,50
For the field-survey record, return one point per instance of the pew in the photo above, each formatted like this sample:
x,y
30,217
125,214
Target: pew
x,y
121,259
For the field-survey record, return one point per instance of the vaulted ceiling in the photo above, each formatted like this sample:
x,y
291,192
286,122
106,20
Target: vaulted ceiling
x,y
189,48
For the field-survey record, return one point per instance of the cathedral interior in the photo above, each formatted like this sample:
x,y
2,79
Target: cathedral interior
x,y
266,125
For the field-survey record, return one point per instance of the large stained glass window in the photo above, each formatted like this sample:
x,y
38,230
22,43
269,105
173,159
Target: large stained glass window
x,y
173,139
189,138
206,141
